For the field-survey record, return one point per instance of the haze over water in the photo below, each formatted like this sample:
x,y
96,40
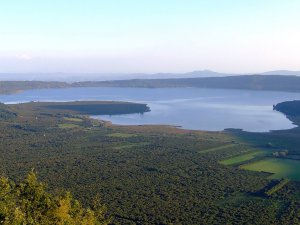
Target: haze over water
x,y
191,108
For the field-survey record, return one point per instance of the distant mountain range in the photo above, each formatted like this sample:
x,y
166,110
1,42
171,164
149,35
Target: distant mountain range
x,y
77,77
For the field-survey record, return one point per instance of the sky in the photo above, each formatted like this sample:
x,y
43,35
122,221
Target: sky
x,y
142,36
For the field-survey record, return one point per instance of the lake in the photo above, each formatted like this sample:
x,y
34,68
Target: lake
x,y
190,108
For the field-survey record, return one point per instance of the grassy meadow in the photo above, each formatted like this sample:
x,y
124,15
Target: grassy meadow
x,y
242,158
278,167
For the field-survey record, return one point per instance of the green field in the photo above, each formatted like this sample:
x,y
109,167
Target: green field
x,y
73,119
222,147
121,135
280,168
68,126
242,158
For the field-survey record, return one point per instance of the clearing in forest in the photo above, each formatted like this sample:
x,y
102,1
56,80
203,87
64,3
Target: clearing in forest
x,y
279,167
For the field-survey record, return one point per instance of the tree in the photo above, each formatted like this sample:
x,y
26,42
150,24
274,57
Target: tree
x,y
30,203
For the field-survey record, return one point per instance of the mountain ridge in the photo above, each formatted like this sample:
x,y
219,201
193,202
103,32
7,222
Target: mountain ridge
x,y
77,77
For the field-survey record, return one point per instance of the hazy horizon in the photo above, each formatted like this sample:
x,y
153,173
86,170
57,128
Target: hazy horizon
x,y
149,37
73,77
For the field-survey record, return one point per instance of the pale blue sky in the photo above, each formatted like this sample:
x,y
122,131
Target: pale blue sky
x,y
149,36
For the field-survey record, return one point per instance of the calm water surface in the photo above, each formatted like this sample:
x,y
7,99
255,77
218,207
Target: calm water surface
x,y
191,108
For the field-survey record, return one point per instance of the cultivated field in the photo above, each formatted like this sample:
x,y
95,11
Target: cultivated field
x,y
280,168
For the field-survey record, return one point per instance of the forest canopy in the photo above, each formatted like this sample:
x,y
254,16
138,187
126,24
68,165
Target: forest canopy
x,y
28,202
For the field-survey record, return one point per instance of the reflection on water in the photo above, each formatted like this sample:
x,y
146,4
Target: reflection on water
x,y
191,108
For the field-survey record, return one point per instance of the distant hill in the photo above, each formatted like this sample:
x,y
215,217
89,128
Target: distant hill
x,y
249,82
207,73
78,77
246,82
282,72
8,87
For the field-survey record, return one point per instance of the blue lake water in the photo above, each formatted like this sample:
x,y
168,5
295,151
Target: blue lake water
x,y
191,108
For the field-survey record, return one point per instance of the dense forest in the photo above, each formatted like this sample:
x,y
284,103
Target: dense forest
x,y
248,82
290,108
90,107
151,174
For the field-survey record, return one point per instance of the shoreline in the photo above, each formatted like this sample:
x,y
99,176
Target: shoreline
x,y
147,109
